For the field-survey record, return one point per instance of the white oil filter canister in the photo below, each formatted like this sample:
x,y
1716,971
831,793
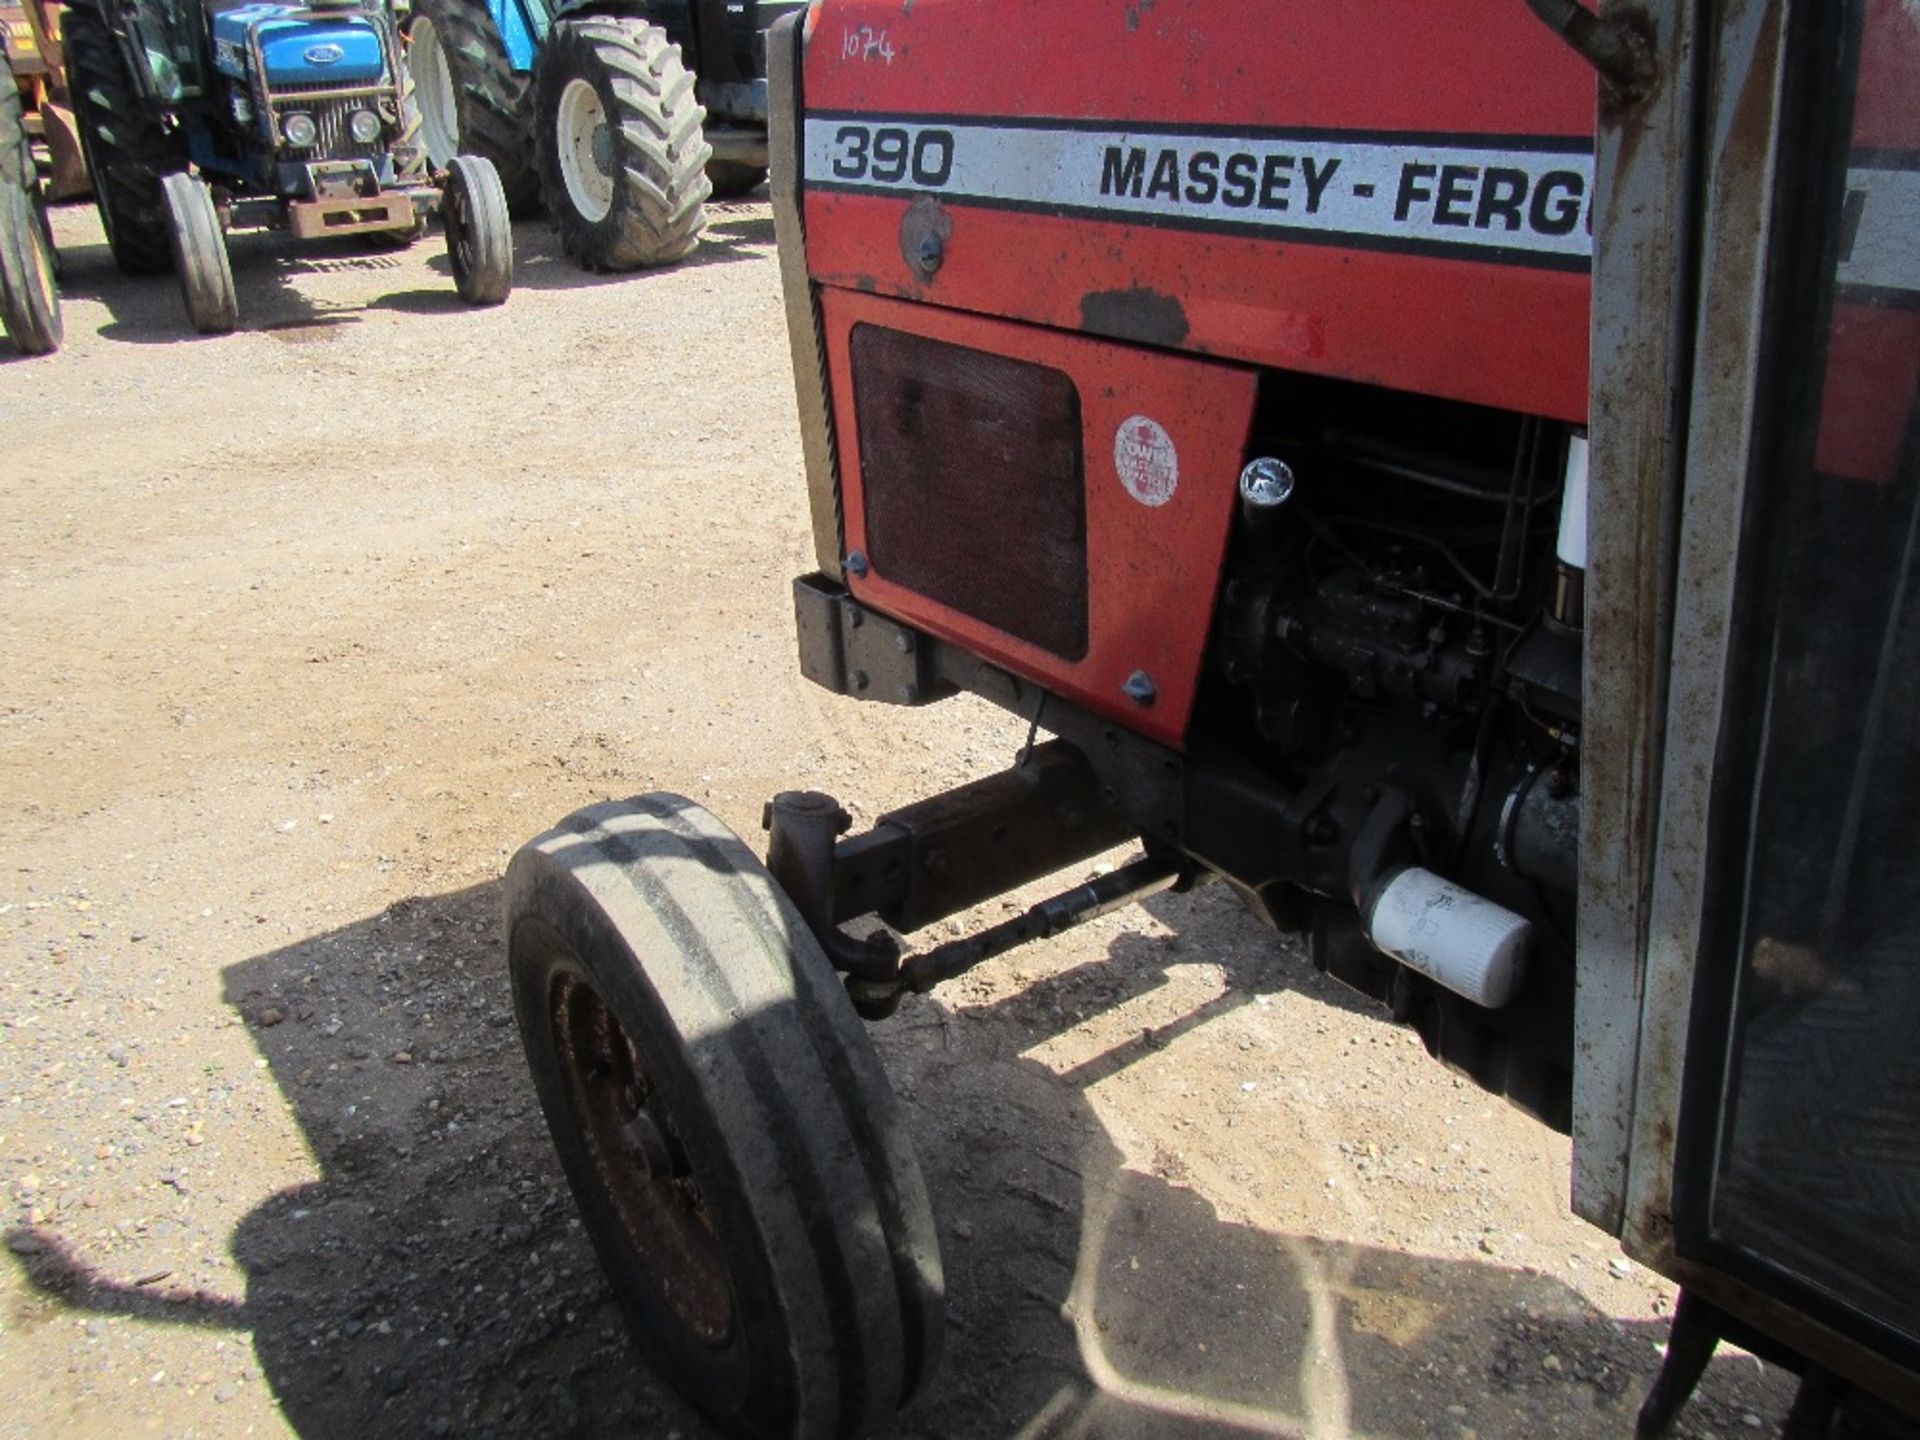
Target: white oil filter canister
x,y
1568,605
1464,941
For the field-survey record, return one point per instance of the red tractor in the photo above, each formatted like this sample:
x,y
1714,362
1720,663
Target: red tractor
x,y
1487,541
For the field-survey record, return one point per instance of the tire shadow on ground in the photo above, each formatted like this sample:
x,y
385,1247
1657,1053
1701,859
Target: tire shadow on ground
x,y
735,231
268,268
435,1279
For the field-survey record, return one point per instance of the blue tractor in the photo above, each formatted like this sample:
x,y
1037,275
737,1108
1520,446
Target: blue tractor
x,y
622,117
204,116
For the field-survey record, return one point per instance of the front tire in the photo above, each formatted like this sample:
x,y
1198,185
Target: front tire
x,y
29,300
738,1158
200,254
471,100
479,231
621,151
128,150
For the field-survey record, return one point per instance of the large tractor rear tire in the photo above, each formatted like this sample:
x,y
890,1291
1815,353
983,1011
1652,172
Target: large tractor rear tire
x,y
471,100
622,154
479,231
741,1165
200,254
16,150
29,300
128,149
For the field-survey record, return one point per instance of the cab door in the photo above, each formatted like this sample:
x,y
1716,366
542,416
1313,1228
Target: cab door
x,y
1749,1115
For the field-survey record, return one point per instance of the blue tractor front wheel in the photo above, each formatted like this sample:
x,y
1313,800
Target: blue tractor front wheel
x,y
199,243
479,231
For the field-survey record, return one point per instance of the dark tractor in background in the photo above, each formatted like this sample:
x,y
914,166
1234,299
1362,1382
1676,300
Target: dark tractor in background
x,y
623,119
199,118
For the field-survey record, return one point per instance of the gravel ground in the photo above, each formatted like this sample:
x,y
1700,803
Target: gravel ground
x,y
308,627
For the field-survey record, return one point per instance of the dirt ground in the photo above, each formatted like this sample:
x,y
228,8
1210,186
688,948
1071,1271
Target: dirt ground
x,y
307,628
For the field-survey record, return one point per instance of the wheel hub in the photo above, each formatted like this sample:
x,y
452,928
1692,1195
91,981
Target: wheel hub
x,y
584,142
639,1164
646,1146
454,217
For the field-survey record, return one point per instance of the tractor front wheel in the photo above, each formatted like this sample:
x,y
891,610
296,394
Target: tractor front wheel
x,y
479,231
739,1161
621,150
200,254
128,150
29,300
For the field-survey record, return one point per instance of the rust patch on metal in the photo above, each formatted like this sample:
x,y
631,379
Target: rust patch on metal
x,y
1749,138
1135,314
1624,112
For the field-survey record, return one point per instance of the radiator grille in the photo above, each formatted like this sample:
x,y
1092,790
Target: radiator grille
x,y
333,140
974,481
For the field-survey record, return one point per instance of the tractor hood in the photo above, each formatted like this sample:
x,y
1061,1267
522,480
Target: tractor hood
x,y
1390,193
298,47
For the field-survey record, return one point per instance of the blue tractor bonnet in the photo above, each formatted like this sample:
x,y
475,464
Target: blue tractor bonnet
x,y
300,47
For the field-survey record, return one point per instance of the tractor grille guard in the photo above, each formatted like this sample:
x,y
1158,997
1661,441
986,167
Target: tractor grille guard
x,y
329,105
330,110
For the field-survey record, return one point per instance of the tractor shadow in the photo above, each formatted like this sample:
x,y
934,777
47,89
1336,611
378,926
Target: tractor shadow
x,y
269,271
435,1279
736,231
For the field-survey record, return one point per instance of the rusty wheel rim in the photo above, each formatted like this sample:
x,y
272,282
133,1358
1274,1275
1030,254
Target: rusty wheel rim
x,y
638,1161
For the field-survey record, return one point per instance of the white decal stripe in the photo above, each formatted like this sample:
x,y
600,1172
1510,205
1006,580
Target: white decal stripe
x,y
1394,192
1882,253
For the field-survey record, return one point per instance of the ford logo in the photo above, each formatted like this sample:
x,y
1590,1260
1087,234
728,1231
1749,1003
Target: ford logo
x,y
324,54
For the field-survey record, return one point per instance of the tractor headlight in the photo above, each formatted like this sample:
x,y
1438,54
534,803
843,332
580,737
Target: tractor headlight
x,y
365,126
299,130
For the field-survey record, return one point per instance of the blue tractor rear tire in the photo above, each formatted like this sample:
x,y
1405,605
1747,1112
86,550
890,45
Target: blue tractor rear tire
x,y
486,108
127,148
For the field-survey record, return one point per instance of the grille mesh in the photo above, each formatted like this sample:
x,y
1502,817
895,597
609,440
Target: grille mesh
x,y
974,481
333,140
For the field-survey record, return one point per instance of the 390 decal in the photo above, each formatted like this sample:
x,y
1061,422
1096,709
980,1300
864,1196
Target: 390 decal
x,y
889,154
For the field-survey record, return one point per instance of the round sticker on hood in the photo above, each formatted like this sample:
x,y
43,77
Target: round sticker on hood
x,y
1149,466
